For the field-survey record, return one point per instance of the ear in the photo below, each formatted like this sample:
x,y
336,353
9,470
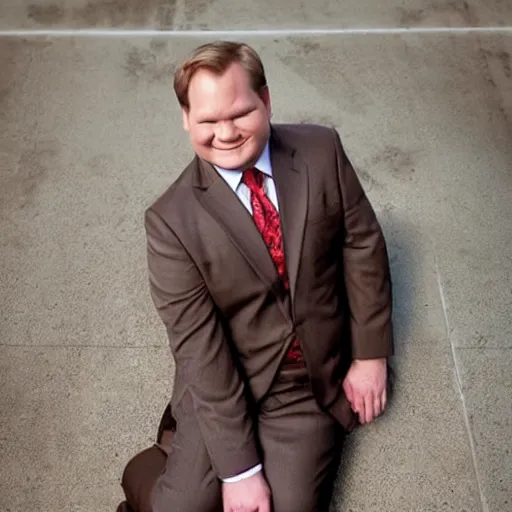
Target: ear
x,y
184,117
265,97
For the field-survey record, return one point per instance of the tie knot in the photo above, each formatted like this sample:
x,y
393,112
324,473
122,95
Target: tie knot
x,y
253,178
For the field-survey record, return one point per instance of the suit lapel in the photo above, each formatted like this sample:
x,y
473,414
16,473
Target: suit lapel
x,y
291,179
221,202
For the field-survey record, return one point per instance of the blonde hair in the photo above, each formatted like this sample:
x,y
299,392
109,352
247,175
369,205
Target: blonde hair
x,y
217,57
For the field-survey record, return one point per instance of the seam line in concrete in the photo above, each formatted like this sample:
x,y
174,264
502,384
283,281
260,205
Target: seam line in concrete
x,y
483,347
483,503
19,345
56,345
113,32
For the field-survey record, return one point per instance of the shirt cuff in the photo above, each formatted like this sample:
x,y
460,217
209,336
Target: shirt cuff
x,y
244,475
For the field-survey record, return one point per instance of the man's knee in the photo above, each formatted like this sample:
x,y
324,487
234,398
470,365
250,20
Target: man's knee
x,y
140,476
167,499
293,499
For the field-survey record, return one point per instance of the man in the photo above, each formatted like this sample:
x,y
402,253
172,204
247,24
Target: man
x,y
270,272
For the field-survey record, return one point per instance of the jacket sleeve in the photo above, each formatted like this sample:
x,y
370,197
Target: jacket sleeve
x,y
201,351
366,267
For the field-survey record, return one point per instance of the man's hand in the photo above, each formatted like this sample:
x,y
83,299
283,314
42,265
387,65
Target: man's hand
x,y
248,495
365,388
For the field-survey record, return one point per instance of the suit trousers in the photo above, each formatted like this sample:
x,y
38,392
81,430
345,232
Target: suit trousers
x,y
300,449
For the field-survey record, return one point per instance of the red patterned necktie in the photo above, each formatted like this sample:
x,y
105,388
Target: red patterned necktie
x,y
266,218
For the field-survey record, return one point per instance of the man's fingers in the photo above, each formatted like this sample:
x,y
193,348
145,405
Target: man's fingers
x,y
358,407
349,392
265,507
383,400
377,408
368,407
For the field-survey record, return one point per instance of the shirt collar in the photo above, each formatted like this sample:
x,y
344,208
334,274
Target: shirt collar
x,y
234,177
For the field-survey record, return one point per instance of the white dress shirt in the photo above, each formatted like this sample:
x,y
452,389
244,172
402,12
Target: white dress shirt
x,y
234,179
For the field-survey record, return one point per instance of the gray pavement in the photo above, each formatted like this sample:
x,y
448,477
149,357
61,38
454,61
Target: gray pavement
x,y
90,134
248,14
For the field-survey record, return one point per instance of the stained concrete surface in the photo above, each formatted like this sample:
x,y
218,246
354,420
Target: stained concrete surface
x,y
90,135
486,379
68,414
246,14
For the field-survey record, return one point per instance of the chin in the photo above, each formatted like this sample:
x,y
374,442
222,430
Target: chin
x,y
232,162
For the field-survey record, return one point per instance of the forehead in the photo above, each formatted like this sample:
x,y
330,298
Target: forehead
x,y
208,90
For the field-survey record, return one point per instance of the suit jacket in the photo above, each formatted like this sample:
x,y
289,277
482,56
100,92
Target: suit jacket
x,y
228,318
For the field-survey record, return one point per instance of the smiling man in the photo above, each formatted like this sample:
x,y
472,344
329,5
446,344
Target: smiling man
x,y
269,270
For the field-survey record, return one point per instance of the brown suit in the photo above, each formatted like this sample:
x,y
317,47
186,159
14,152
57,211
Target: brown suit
x,y
228,317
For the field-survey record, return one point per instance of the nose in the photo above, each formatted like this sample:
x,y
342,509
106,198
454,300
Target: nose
x,y
225,131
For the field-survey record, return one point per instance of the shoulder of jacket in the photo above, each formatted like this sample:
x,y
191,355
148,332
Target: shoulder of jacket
x,y
179,190
304,130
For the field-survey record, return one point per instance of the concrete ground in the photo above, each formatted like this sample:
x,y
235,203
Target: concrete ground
x,y
90,134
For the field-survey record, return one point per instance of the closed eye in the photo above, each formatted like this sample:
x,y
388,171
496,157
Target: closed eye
x,y
243,113
235,116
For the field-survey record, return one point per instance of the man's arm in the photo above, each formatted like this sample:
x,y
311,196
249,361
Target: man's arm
x,y
366,267
201,351
368,287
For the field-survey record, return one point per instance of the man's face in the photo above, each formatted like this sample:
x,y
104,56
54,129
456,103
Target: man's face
x,y
228,122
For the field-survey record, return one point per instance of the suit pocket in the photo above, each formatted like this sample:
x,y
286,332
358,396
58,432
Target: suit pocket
x,y
343,412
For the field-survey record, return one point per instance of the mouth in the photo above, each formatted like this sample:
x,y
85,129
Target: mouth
x,y
231,148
